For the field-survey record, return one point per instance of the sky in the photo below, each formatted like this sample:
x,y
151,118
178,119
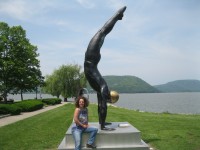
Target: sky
x,y
157,40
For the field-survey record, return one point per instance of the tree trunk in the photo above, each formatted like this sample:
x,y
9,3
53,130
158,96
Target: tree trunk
x,y
21,95
5,97
36,93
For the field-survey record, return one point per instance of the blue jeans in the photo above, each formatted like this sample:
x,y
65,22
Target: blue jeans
x,y
77,132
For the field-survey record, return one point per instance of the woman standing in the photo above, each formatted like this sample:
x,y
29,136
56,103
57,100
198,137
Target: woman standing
x,y
81,124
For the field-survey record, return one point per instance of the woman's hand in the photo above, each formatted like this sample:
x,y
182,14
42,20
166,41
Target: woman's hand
x,y
85,125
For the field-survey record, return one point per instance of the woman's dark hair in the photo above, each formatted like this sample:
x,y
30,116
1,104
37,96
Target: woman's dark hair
x,y
86,102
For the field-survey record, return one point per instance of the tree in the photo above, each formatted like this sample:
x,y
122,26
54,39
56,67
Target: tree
x,y
52,85
20,67
5,62
65,81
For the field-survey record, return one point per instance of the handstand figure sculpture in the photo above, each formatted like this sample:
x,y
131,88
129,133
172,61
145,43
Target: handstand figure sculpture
x,y
92,58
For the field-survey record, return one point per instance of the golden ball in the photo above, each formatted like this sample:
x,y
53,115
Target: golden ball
x,y
114,96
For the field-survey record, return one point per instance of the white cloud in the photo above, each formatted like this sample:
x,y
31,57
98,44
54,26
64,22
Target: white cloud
x,y
27,10
17,9
115,4
87,3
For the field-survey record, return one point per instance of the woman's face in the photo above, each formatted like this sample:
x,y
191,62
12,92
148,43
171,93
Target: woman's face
x,y
81,103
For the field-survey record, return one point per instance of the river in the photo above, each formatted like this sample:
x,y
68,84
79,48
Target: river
x,y
181,103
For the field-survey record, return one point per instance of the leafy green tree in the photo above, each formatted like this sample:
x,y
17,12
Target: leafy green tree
x,y
52,85
5,61
19,64
65,81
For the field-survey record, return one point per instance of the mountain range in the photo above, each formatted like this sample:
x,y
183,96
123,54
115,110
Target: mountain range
x,y
180,86
133,84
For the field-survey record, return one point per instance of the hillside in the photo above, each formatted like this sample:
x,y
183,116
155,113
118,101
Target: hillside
x,y
180,86
128,84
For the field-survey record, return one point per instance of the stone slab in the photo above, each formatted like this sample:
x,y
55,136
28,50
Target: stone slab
x,y
125,137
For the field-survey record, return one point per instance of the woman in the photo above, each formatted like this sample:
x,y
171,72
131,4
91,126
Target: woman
x,y
81,124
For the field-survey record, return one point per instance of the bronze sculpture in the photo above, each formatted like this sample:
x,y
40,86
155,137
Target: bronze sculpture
x,y
92,58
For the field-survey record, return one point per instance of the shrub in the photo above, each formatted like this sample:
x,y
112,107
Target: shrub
x,y
9,109
15,110
4,109
30,105
51,101
58,101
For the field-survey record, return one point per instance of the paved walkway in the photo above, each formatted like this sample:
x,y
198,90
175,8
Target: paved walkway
x,y
11,119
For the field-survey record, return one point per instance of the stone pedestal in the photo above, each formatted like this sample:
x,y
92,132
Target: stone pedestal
x,y
124,137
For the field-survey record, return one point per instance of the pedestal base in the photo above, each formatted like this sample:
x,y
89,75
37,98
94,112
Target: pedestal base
x,y
124,137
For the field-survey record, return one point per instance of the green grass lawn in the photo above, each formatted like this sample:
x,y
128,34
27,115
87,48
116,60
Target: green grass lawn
x,y
46,130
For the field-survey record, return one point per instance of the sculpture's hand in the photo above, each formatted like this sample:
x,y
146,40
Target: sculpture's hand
x,y
120,13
